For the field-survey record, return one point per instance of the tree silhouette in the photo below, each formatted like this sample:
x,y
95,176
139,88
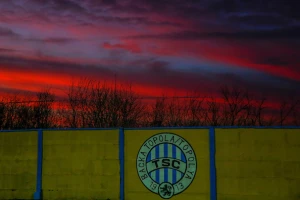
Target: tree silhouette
x,y
94,104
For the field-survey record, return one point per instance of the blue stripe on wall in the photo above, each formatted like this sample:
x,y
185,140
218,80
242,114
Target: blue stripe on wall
x,y
148,157
184,160
212,151
166,169
148,160
157,171
122,162
38,193
174,171
183,157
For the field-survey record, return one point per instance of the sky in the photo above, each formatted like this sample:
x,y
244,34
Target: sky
x,y
158,46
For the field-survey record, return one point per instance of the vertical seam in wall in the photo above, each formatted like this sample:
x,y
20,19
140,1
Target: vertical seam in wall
x,y
212,152
121,157
38,192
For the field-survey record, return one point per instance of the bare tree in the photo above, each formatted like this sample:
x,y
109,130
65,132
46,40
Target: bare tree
x,y
213,114
98,106
11,108
78,98
252,113
2,113
132,108
195,111
42,109
174,112
15,112
286,109
235,102
95,104
24,116
258,110
158,112
296,115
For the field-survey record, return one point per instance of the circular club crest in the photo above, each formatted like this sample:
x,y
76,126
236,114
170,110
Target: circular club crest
x,y
166,164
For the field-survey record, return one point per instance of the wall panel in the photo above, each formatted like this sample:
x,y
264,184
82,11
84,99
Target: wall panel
x,y
18,161
134,140
257,163
81,164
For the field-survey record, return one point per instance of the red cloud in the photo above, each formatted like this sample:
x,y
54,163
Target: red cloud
x,y
239,55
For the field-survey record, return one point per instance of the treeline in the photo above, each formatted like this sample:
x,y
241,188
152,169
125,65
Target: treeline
x,y
90,104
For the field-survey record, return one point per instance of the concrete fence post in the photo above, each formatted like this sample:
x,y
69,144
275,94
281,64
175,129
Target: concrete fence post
x,y
38,192
212,152
122,164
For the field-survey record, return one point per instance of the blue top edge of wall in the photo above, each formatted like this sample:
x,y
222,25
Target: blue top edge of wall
x,y
24,130
59,129
178,127
260,127
223,127
156,128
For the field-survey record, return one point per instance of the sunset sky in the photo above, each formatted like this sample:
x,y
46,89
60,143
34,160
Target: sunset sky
x,y
156,45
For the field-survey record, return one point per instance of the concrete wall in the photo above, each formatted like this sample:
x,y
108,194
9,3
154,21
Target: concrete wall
x,y
81,165
254,164
251,164
18,163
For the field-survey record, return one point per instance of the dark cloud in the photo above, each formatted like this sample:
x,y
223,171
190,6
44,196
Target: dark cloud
x,y
158,66
283,33
102,2
54,40
5,50
280,61
235,21
254,12
59,40
8,32
260,20
134,48
152,72
62,5
264,84
90,12
22,64
230,13
282,8
155,73
131,20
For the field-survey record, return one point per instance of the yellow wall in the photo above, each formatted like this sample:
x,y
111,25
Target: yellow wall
x,y
254,164
81,164
18,161
198,139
